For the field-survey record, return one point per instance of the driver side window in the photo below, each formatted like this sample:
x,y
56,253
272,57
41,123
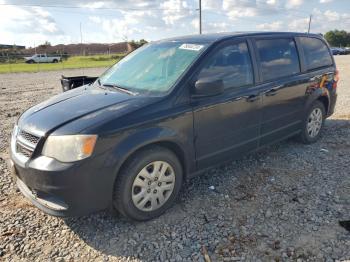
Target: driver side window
x,y
232,64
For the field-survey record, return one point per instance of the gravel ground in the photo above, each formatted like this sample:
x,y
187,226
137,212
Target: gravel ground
x,y
283,203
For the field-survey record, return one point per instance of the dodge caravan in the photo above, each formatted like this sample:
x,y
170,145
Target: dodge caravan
x,y
166,112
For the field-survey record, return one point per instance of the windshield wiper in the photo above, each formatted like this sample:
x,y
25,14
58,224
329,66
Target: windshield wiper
x,y
122,89
100,84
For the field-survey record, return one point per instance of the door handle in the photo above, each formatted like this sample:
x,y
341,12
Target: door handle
x,y
253,98
271,92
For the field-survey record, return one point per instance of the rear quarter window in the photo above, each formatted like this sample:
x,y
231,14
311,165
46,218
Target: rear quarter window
x,y
316,53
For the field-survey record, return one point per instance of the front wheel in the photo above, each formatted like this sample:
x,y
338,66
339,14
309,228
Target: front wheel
x,y
148,184
313,123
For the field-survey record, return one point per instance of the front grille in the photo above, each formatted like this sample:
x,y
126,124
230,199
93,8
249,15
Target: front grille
x,y
20,149
32,139
26,144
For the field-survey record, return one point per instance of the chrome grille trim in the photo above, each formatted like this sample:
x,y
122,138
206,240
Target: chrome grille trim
x,y
20,149
25,144
28,138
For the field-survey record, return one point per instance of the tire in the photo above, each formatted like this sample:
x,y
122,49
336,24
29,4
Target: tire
x,y
55,61
311,133
146,195
30,62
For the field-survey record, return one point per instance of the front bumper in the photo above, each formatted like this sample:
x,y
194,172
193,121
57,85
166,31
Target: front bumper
x,y
64,189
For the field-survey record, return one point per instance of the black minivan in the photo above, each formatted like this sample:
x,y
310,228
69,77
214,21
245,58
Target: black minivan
x,y
166,112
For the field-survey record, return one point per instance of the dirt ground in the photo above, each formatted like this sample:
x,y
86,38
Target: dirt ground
x,y
283,203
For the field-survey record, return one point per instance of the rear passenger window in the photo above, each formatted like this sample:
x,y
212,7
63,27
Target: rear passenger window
x,y
316,53
232,64
278,58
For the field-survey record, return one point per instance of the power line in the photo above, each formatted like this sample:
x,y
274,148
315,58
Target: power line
x,y
105,12
257,7
98,8
268,7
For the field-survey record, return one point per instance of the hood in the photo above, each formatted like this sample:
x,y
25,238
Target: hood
x,y
69,106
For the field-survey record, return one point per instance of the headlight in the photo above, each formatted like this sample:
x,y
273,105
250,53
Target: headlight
x,y
69,148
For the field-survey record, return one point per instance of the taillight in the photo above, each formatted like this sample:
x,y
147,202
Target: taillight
x,y
336,76
336,79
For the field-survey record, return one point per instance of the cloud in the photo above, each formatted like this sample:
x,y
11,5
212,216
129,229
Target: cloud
x,y
322,21
294,3
238,9
135,24
273,26
212,27
116,29
93,5
194,23
325,1
332,16
32,20
28,25
174,10
212,4
272,2
113,4
300,25
217,27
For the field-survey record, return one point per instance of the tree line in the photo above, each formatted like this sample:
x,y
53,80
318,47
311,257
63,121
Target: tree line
x,y
338,38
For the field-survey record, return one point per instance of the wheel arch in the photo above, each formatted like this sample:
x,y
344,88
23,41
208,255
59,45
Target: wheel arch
x,y
325,101
320,94
162,137
170,145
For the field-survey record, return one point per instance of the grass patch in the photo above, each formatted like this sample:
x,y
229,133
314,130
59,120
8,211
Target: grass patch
x,y
70,63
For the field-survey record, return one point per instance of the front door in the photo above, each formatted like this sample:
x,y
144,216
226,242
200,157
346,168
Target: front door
x,y
227,125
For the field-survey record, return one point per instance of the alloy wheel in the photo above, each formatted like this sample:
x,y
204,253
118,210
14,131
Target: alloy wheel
x,y
314,123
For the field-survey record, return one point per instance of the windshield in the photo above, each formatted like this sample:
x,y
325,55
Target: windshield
x,y
153,68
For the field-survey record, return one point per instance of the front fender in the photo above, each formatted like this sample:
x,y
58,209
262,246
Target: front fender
x,y
148,136
122,145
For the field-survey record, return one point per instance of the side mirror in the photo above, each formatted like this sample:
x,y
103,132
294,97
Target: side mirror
x,y
208,86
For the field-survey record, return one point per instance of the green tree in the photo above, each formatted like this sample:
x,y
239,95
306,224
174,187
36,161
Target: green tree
x,y
137,44
45,45
338,38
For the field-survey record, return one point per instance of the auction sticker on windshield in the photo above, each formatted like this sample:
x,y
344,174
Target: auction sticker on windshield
x,y
192,47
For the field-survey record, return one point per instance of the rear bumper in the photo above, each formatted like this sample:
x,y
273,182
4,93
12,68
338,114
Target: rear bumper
x,y
333,101
64,189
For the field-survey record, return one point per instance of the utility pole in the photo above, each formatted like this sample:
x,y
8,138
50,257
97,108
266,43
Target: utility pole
x,y
81,40
308,31
200,17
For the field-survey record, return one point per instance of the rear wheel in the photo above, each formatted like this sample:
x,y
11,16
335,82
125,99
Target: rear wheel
x,y
55,61
148,184
313,123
